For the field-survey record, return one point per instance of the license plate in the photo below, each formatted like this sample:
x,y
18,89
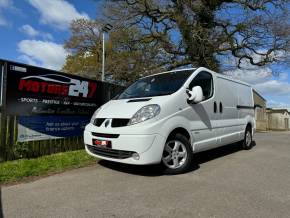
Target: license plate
x,y
102,143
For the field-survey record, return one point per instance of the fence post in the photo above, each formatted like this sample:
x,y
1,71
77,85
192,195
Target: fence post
x,y
11,142
3,155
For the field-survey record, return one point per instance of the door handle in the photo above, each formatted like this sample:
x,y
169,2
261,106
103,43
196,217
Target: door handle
x,y
221,107
214,107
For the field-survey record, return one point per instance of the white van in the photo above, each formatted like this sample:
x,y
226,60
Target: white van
x,y
166,117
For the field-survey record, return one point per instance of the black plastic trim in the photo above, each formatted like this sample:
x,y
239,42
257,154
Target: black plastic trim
x,y
214,107
221,107
139,100
119,122
111,153
245,107
105,135
99,121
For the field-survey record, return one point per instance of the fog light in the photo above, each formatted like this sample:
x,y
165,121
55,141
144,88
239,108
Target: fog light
x,y
135,156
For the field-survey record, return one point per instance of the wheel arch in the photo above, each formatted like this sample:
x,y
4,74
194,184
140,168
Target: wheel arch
x,y
180,130
177,124
250,121
249,125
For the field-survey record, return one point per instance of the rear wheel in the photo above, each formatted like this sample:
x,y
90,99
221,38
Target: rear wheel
x,y
177,156
247,143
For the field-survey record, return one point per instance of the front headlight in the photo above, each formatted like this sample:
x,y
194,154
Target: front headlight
x,y
145,113
95,115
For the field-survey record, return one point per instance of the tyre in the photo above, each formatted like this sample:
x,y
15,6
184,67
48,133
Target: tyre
x,y
247,143
177,156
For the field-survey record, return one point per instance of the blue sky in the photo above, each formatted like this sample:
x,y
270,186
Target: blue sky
x,y
39,25
33,32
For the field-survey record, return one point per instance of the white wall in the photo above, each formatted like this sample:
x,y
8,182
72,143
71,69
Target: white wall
x,y
277,121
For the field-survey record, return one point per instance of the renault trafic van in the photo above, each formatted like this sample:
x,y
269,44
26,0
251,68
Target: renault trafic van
x,y
166,117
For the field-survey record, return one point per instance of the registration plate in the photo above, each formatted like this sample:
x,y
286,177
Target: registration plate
x,y
102,143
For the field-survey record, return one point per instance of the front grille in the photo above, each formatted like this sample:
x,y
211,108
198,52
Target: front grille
x,y
111,153
116,122
119,122
105,135
98,122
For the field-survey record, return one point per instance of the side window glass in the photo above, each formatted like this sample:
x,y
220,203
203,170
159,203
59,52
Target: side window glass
x,y
205,81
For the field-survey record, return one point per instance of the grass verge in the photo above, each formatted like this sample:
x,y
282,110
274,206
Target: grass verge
x,y
17,170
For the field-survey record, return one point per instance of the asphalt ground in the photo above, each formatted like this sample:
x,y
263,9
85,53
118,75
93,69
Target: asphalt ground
x,y
227,182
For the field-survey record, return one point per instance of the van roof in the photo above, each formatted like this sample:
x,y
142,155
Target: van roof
x,y
224,76
220,75
169,72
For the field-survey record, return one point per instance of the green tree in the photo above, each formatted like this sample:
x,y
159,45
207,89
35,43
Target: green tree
x,y
151,35
125,59
203,32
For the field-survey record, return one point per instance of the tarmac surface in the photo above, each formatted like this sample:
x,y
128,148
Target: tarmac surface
x,y
228,182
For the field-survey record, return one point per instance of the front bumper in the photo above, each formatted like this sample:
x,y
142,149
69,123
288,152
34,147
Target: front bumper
x,y
148,147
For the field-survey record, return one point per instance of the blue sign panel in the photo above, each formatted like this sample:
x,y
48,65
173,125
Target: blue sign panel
x,y
31,128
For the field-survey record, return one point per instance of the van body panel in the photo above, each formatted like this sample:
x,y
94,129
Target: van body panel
x,y
227,101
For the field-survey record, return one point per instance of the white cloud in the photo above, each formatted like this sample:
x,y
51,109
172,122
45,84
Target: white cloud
x,y
27,60
251,76
254,74
58,13
4,5
46,35
283,76
3,21
263,79
273,87
247,72
30,31
48,54
277,104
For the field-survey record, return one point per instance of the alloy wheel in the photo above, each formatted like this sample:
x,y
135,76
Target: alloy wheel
x,y
175,154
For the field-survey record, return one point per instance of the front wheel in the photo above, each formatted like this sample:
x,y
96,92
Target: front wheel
x,y
177,156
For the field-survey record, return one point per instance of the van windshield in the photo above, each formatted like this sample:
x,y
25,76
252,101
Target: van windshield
x,y
162,84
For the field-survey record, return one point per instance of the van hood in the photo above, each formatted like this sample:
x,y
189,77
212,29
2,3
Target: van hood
x,y
126,108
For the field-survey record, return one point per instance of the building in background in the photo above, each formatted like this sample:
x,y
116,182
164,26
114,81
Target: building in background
x,y
270,118
278,119
260,112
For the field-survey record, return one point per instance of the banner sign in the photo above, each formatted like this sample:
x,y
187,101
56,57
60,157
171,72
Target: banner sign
x,y
34,90
35,128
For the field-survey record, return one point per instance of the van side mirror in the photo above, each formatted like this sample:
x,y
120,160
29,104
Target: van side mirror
x,y
195,95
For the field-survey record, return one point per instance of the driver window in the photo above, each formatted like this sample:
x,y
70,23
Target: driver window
x,y
205,81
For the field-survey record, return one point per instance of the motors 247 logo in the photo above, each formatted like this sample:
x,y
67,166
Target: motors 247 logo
x,y
57,85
